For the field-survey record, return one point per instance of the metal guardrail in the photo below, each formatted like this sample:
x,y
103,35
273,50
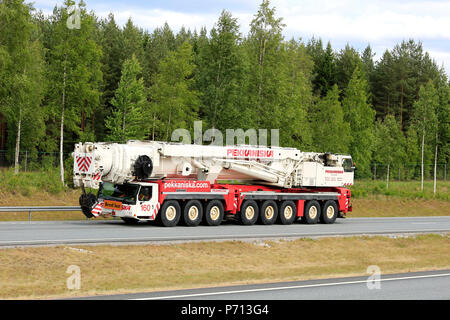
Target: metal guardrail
x,y
38,209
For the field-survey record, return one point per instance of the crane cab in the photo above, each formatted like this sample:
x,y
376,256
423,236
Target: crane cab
x,y
129,201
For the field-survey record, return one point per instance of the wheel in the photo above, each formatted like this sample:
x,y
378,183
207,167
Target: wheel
x,y
268,212
249,212
312,212
170,213
193,213
130,220
287,212
329,212
213,213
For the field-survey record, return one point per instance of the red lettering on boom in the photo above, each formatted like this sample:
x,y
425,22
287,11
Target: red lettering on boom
x,y
250,153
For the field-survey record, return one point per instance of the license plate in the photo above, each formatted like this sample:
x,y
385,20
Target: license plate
x,y
114,205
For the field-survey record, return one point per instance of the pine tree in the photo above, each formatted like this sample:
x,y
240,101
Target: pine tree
x,y
128,118
347,61
368,63
383,86
132,41
159,44
326,75
398,77
112,62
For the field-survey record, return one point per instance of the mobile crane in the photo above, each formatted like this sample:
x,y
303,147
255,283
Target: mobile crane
x,y
189,183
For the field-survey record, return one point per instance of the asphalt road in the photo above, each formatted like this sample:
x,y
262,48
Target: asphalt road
x,y
427,285
115,231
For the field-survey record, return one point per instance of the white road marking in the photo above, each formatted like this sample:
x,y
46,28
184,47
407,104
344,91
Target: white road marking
x,y
290,287
424,223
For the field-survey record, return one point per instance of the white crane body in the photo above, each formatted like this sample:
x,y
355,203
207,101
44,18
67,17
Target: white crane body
x,y
282,167
164,166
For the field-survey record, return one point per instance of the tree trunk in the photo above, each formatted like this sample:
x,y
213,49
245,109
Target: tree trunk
x,y
168,122
387,176
168,126
217,95
421,164
401,104
16,160
83,121
2,131
261,76
153,127
123,128
61,141
375,172
435,163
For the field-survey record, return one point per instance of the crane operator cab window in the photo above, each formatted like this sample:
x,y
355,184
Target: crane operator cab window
x,y
145,194
125,193
347,164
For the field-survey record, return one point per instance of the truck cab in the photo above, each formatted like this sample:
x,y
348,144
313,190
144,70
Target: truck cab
x,y
129,201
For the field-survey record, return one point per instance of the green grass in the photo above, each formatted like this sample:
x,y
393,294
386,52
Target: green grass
x,y
401,189
48,180
41,272
27,183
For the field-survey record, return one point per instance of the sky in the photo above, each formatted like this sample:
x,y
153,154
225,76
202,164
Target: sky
x,y
380,23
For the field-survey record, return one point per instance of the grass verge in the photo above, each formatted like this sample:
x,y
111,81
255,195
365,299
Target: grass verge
x,y
369,198
384,206
32,273
401,189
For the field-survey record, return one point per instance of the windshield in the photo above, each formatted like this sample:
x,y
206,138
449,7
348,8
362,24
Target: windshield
x,y
347,163
126,193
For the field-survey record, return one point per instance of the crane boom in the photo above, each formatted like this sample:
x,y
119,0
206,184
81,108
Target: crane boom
x,y
274,166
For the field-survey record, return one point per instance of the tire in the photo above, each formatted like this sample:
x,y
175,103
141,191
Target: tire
x,y
130,221
287,212
213,213
249,212
312,212
268,212
329,212
192,213
170,213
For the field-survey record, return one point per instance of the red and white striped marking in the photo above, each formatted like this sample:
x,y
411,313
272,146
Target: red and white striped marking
x,y
97,176
83,163
155,211
97,209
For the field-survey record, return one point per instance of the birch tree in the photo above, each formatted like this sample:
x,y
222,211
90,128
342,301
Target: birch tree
x,y
425,119
74,72
22,70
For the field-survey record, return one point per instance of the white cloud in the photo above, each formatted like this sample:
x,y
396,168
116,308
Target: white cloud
x,y
378,22
151,19
358,20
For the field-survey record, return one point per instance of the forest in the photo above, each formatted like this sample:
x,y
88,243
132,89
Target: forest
x,y
74,76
